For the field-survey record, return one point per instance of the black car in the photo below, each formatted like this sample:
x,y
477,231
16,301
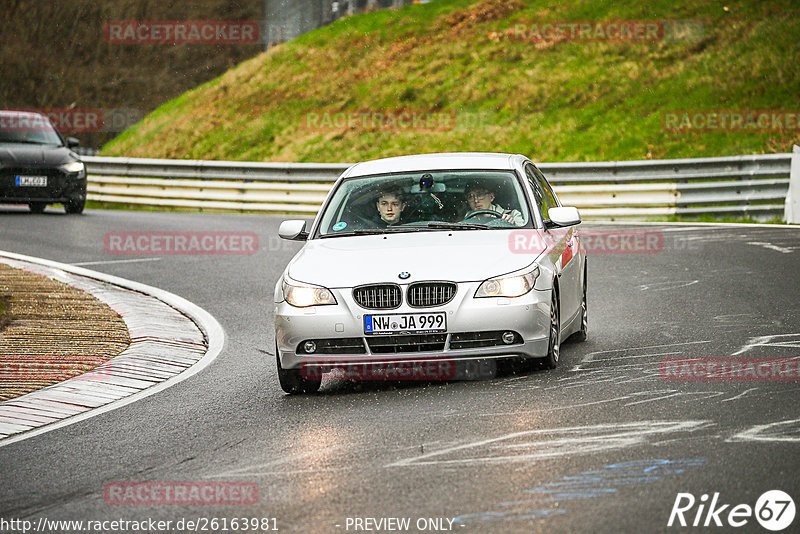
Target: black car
x,y
37,166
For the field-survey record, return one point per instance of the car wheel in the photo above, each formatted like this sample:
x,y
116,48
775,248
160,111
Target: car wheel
x,y
75,206
37,207
583,333
292,380
554,343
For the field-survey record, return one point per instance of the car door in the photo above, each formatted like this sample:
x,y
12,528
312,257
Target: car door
x,y
567,246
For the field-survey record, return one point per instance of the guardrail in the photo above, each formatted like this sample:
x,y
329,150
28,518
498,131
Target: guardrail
x,y
755,186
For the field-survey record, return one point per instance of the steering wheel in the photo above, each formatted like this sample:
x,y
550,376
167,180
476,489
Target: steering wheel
x,y
477,213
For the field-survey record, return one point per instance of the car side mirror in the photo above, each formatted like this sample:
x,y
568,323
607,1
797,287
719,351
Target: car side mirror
x,y
564,216
73,142
294,230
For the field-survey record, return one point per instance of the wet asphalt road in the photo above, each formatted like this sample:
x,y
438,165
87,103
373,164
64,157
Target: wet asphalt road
x,y
602,444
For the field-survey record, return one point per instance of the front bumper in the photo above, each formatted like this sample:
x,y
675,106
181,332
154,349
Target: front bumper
x,y
61,187
528,317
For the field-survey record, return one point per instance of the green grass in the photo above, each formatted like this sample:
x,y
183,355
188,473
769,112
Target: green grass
x,y
573,101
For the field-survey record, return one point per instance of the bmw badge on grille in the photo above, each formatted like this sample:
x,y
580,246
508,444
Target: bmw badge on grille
x,y
405,275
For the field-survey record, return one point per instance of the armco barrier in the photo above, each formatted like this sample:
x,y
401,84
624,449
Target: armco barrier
x,y
755,186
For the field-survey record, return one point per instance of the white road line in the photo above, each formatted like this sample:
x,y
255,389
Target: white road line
x,y
665,286
707,395
769,341
85,263
589,358
740,395
555,442
638,356
770,246
781,431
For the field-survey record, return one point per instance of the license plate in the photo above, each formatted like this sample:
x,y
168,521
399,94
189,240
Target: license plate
x,y
406,323
32,181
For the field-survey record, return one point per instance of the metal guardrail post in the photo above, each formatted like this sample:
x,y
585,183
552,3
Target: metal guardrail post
x,y
791,213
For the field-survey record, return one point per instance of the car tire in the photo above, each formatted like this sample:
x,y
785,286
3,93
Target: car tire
x,y
554,339
583,333
37,207
292,381
75,206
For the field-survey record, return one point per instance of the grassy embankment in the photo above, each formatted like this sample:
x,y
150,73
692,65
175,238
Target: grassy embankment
x,y
553,101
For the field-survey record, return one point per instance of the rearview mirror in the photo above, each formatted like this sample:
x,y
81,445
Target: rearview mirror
x,y
294,230
72,142
564,216
434,188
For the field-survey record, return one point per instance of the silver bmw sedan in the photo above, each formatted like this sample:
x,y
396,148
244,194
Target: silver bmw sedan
x,y
417,263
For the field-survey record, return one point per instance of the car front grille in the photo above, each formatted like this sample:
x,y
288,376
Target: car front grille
x,y
378,296
410,343
9,189
429,294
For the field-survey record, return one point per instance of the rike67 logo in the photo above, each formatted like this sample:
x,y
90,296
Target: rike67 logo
x,y
774,510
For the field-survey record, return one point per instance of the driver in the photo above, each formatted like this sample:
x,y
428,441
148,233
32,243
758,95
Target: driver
x,y
390,205
480,198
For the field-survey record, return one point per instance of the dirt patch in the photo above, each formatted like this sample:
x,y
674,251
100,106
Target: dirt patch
x,y
53,331
486,11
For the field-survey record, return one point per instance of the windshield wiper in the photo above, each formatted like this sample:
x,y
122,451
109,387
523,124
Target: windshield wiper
x,y
374,231
456,226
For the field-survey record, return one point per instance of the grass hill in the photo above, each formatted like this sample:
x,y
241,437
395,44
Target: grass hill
x,y
478,65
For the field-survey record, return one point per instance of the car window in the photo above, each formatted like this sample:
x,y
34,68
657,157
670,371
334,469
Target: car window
x,y
410,201
546,192
539,192
549,194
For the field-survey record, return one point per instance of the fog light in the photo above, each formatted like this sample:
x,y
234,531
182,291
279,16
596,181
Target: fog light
x,y
508,337
310,347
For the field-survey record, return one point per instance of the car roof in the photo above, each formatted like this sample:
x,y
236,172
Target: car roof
x,y
430,162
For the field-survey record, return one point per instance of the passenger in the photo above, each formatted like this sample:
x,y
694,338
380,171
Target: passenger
x,y
480,198
390,205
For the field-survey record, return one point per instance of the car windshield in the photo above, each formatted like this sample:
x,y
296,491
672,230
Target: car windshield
x,y
27,128
426,200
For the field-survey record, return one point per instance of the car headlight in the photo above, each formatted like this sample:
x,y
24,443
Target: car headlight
x,y
305,296
508,286
73,166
